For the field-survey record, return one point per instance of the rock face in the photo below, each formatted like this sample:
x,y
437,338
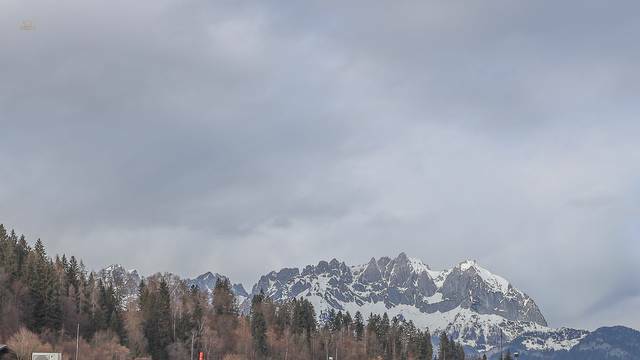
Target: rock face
x,y
124,281
616,342
207,282
467,301
470,286
545,343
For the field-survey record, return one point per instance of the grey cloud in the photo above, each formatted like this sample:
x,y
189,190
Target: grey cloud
x,y
242,137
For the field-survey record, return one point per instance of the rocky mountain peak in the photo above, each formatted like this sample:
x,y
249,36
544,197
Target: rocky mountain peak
x,y
471,271
371,273
400,271
124,281
478,302
467,264
402,257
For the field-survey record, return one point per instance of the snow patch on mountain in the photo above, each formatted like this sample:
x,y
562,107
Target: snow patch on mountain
x,y
495,282
547,339
467,301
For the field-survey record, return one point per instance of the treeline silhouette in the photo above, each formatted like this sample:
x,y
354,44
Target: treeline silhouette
x,y
45,302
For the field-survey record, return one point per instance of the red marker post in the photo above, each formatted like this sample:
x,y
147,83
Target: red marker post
x,y
201,356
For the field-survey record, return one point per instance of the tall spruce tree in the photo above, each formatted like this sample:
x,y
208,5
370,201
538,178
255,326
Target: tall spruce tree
x,y
8,258
304,319
37,282
259,327
22,251
53,303
425,348
359,325
163,312
156,314
444,348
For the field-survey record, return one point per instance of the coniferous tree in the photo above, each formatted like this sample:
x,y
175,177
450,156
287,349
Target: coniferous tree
x,y
383,334
225,315
224,302
105,308
146,304
73,275
163,312
359,325
38,277
444,347
425,348
282,318
53,305
304,319
337,322
156,313
347,322
88,306
8,255
22,251
259,326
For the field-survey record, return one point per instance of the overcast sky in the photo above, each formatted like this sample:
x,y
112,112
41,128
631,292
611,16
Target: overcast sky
x,y
241,137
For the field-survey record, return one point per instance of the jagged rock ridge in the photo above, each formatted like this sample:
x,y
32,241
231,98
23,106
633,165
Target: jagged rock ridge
x,y
207,282
126,282
467,301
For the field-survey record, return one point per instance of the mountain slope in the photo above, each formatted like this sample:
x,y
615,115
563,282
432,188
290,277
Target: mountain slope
x,y
545,343
617,342
475,307
469,302
207,282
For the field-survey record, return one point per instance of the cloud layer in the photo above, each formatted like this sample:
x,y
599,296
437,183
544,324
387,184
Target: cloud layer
x,y
241,137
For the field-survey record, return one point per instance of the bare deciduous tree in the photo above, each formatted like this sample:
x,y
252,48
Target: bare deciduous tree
x,y
24,343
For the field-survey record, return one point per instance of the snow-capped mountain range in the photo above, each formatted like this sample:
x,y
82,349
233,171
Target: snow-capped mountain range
x,y
480,309
467,301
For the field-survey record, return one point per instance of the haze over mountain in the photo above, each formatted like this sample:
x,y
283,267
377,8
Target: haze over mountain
x,y
245,137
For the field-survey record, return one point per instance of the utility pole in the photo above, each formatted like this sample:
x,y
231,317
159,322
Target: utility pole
x,y
77,340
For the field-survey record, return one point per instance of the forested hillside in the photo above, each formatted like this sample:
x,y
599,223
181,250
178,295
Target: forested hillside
x,y
44,301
